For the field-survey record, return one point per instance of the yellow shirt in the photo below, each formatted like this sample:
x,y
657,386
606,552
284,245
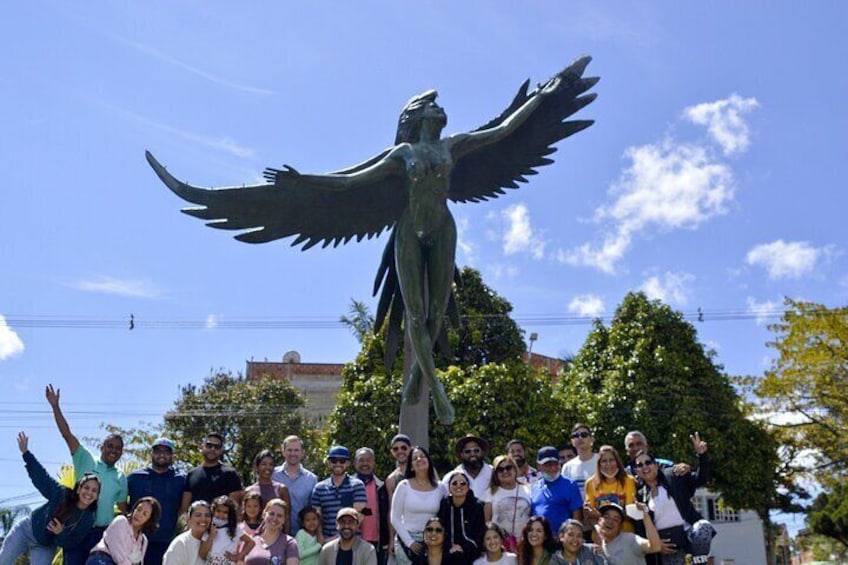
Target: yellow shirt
x,y
612,491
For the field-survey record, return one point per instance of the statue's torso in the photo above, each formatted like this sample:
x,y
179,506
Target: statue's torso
x,y
428,167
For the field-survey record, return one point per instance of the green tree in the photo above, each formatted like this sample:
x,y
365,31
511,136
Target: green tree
x,y
828,515
359,320
252,415
647,371
806,384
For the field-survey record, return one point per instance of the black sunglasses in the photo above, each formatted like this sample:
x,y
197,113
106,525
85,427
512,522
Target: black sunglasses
x,y
645,463
584,435
434,530
505,469
212,445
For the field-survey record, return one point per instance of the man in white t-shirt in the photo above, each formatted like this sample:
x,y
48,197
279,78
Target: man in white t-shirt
x,y
625,548
471,451
585,464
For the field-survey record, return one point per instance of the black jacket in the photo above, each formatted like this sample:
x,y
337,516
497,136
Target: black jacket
x,y
680,488
464,525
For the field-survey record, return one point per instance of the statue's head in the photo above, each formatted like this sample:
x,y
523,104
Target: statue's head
x,y
419,108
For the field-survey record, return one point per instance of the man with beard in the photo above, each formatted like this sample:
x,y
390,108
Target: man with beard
x,y
166,485
374,524
553,496
113,483
347,548
400,446
212,478
471,451
625,548
337,491
518,451
299,480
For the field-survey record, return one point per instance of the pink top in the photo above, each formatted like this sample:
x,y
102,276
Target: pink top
x,y
120,543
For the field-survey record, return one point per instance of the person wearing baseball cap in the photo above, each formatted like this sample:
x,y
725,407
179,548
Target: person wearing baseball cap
x,y
626,548
555,497
471,451
161,481
337,491
347,548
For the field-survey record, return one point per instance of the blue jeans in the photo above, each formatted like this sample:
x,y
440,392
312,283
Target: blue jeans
x,y
20,540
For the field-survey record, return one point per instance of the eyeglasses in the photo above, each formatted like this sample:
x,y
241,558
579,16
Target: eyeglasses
x,y
505,469
213,445
434,530
472,451
583,435
400,448
459,484
337,460
645,463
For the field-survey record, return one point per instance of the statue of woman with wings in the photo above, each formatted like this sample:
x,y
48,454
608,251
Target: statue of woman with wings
x,y
406,188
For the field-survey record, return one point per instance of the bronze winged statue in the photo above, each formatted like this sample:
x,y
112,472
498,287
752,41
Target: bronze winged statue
x,y
406,188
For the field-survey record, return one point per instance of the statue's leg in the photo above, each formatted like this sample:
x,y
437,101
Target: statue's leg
x,y
440,269
409,261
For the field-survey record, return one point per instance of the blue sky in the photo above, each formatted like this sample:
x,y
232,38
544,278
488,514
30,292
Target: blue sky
x,y
710,179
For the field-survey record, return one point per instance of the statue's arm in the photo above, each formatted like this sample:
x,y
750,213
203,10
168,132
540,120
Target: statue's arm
x,y
391,164
463,143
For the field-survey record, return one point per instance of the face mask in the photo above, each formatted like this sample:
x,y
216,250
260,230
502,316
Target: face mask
x,y
219,522
609,475
550,478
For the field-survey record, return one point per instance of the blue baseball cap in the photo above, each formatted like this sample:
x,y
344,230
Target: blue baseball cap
x,y
338,452
164,442
547,453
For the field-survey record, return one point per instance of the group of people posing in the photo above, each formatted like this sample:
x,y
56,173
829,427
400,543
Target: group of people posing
x,y
578,507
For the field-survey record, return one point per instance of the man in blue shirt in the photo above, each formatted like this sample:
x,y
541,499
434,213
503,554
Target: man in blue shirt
x,y
113,483
338,491
166,485
296,477
555,497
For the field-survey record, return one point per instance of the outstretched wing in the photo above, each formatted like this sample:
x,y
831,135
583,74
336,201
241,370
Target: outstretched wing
x,y
485,172
296,207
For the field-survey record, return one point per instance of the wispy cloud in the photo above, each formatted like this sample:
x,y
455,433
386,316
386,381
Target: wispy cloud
x,y
586,305
764,311
211,322
155,53
219,143
670,287
724,122
668,185
786,260
467,247
10,342
135,288
519,236
501,270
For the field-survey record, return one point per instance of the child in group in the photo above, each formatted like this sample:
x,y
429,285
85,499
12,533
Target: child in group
x,y
62,521
309,537
251,513
494,553
221,545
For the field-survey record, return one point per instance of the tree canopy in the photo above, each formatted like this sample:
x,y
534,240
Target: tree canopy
x,y
648,372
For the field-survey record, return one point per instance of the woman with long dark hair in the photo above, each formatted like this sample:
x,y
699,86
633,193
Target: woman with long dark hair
x,y
537,543
462,515
436,549
185,548
125,540
416,499
268,489
62,521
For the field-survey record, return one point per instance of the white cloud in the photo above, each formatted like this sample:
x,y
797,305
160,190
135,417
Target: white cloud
x,y
764,311
586,305
499,270
10,342
670,287
783,259
136,288
668,185
463,243
724,122
211,322
519,235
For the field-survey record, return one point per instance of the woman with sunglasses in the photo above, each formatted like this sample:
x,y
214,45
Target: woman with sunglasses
x,y
537,544
416,499
507,501
610,483
462,515
669,498
62,521
436,550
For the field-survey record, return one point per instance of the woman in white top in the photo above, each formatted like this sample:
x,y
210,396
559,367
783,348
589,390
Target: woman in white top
x,y
415,500
124,542
507,502
185,548
493,548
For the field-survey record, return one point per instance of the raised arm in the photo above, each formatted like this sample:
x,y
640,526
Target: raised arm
x,y
61,423
654,541
41,479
